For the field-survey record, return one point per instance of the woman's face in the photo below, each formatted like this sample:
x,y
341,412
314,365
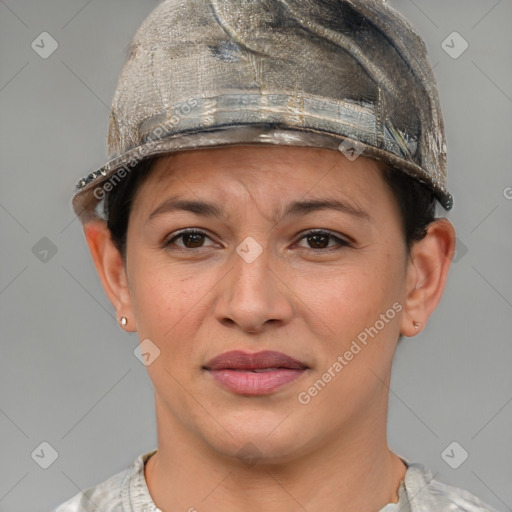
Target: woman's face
x,y
252,279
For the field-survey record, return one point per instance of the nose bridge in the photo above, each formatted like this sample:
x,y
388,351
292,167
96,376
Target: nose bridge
x,y
252,265
252,295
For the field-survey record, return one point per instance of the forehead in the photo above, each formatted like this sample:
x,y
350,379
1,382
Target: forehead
x,y
268,175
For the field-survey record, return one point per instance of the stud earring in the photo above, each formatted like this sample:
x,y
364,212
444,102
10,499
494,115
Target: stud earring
x,y
416,325
123,321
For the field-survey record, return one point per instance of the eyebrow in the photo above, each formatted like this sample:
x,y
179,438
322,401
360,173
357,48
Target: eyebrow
x,y
296,208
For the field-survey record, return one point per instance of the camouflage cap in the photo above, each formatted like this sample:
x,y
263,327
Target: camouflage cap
x,y
351,75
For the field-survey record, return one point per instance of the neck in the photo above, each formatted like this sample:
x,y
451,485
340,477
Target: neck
x,y
354,471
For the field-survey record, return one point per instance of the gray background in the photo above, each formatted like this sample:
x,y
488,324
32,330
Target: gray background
x,y
68,373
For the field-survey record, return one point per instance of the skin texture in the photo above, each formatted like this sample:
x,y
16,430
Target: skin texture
x,y
197,298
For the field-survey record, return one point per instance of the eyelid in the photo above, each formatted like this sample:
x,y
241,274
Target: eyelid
x,y
176,234
341,240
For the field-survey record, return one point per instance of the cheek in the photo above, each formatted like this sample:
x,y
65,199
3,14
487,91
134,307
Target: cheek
x,y
167,308
352,298
158,297
361,307
170,305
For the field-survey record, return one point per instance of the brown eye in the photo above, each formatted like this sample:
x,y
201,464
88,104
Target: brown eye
x,y
319,240
191,239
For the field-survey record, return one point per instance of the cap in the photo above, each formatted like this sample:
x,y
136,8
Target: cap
x,y
350,75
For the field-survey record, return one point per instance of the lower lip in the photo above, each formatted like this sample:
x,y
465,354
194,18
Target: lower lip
x,y
245,382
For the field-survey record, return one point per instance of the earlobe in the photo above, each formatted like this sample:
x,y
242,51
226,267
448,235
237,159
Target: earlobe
x,y
427,272
111,269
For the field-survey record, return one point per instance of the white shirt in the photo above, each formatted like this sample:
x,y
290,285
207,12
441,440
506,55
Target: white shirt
x,y
127,491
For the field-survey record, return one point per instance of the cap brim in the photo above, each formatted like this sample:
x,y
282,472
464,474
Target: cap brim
x,y
103,180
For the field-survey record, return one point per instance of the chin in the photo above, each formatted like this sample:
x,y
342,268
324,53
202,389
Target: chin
x,y
267,435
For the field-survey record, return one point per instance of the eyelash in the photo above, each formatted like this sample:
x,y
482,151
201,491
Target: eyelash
x,y
341,242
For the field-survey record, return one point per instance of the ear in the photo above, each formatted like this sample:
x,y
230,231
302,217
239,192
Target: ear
x,y
111,269
427,270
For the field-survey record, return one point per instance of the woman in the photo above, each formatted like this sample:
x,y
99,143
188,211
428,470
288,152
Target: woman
x,y
266,224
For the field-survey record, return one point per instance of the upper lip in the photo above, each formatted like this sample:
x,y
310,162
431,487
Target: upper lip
x,y
239,360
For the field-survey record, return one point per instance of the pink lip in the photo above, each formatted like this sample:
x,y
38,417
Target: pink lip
x,y
235,370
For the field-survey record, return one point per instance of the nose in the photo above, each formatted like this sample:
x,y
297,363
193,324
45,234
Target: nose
x,y
254,294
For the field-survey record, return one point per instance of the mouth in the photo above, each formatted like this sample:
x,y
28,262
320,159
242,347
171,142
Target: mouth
x,y
255,374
